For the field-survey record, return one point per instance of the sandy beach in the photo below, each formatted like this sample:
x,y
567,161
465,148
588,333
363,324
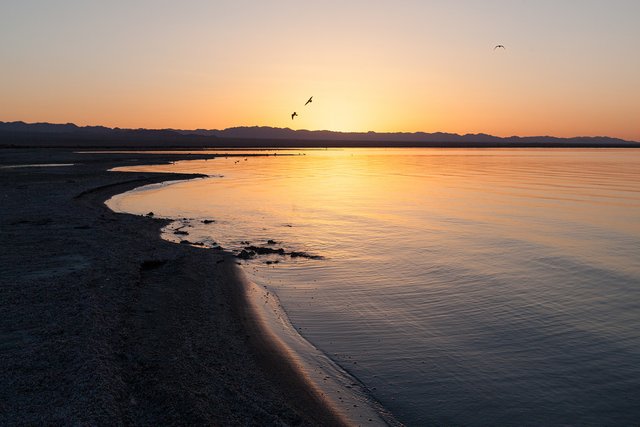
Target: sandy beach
x,y
104,323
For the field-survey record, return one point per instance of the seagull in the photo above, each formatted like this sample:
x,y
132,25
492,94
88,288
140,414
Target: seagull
x,y
310,100
293,115
499,46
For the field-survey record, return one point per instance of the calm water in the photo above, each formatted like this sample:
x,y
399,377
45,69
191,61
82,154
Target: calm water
x,y
470,287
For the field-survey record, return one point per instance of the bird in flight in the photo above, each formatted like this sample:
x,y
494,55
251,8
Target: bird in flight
x,y
310,100
499,46
293,115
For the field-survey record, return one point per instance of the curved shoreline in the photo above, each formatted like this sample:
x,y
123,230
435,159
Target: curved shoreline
x,y
106,323
290,360
323,379
273,355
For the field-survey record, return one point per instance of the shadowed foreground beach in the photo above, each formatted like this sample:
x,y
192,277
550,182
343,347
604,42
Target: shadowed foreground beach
x,y
102,322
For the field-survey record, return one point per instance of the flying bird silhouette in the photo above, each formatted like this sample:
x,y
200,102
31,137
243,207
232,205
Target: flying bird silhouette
x,y
293,115
499,46
310,100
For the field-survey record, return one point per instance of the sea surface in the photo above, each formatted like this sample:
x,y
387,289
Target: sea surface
x,y
461,287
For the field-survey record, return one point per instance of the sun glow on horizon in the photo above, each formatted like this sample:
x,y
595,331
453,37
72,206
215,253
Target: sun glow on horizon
x,y
425,66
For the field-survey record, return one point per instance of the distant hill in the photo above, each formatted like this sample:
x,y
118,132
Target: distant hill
x,y
263,132
22,134
69,135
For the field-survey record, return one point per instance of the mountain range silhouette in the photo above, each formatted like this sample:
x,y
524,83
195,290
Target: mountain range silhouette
x,y
21,134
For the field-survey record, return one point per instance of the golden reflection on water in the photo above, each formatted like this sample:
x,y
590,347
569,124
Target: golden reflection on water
x,y
454,180
446,271
527,194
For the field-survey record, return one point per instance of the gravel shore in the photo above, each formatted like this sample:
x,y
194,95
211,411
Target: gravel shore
x,y
104,323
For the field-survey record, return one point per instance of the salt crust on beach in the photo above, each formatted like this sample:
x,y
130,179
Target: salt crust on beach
x,y
104,323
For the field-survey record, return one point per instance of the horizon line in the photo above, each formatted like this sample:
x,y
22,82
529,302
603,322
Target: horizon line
x,y
314,130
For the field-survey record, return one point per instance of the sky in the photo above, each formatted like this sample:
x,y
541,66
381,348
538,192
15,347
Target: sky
x,y
570,67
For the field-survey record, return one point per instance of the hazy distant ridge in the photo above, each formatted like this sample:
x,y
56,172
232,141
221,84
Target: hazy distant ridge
x,y
263,132
65,135
69,134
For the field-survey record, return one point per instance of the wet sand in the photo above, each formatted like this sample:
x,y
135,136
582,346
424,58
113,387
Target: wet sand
x,y
102,322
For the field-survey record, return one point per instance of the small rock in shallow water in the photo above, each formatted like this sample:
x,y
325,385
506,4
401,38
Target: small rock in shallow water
x,y
265,251
246,254
301,254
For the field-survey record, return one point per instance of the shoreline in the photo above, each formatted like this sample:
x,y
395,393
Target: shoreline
x,y
323,379
281,347
106,322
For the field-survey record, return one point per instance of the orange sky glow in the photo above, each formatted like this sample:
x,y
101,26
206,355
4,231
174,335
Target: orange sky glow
x,y
570,67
